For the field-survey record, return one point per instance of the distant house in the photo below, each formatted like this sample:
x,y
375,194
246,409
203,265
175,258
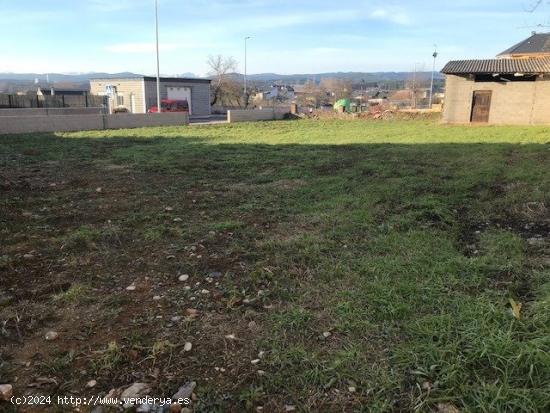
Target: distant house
x,y
139,94
278,92
510,89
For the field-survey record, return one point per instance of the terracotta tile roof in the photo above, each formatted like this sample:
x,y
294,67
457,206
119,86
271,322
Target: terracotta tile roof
x,y
500,66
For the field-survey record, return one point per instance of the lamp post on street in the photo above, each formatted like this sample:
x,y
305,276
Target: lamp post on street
x,y
159,107
245,62
435,54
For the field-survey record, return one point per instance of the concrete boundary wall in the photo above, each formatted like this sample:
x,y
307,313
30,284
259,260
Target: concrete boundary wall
x,y
33,124
50,111
254,115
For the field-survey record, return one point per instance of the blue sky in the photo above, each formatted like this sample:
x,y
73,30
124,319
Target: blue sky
x,y
288,36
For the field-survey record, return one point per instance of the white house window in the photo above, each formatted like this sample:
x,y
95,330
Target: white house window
x,y
120,100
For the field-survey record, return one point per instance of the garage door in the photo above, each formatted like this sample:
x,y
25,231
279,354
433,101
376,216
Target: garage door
x,y
180,93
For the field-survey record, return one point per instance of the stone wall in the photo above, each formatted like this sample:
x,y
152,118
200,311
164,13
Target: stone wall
x,y
33,124
50,111
254,115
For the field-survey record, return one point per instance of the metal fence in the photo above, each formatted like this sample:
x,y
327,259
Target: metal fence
x,y
56,101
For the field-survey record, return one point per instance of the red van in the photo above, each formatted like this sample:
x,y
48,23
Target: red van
x,y
171,105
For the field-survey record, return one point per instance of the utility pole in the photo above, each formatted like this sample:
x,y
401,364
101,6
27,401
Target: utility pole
x,y
414,87
435,54
159,106
245,57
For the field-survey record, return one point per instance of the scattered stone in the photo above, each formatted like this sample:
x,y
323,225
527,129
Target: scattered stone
x,y
252,325
6,391
327,334
168,209
131,287
352,389
157,297
91,383
230,336
185,391
290,408
146,408
447,408
175,319
183,277
188,346
171,257
205,292
28,256
175,408
192,312
255,361
535,241
51,335
178,220
261,372
99,189
113,394
261,354
135,390
187,288
215,274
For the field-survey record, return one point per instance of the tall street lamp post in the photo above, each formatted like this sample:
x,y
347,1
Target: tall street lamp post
x,y
159,107
435,54
245,57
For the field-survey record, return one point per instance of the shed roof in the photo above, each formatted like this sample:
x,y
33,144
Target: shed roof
x,y
537,43
500,66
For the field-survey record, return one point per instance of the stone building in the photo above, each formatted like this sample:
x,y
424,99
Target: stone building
x,y
513,88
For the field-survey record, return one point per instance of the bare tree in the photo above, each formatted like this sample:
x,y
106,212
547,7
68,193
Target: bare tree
x,y
312,94
534,5
337,88
220,69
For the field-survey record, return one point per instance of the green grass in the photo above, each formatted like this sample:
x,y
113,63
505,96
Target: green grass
x,y
405,240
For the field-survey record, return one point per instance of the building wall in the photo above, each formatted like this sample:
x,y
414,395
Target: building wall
x,y
255,115
125,87
200,95
50,111
511,102
69,123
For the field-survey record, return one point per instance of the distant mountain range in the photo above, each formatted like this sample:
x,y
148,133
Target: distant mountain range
x,y
262,77
356,77
80,80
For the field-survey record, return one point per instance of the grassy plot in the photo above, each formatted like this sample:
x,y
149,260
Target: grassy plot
x,y
333,266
